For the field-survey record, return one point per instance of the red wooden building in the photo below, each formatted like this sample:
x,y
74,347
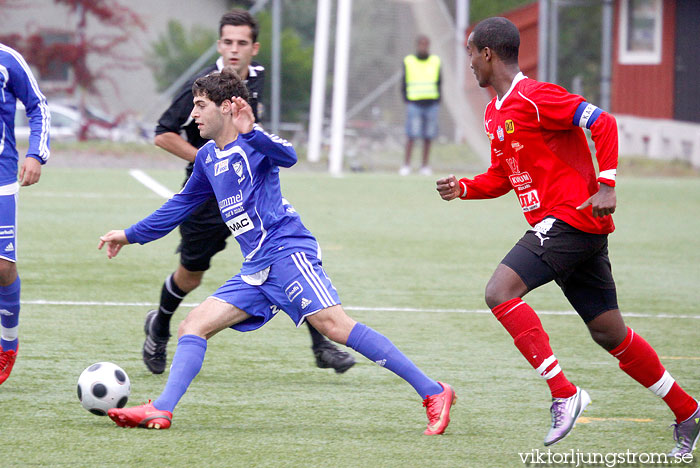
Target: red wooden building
x,y
656,60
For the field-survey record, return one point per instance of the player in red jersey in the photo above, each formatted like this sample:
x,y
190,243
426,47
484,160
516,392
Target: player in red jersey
x,y
539,150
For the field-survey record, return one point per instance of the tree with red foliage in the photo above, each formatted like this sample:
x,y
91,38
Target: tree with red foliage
x,y
119,22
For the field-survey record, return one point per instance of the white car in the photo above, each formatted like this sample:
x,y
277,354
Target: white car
x,y
65,123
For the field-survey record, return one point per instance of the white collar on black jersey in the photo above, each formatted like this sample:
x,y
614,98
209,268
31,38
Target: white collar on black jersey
x,y
252,69
516,80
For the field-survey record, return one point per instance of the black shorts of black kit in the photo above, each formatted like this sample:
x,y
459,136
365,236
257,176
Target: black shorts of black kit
x,y
578,261
203,234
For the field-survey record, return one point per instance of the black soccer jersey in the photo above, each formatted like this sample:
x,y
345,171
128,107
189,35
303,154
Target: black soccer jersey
x,y
177,118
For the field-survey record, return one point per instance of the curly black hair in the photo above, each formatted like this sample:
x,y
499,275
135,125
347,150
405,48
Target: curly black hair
x,y
219,86
499,35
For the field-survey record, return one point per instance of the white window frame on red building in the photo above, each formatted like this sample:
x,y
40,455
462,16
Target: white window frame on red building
x,y
653,31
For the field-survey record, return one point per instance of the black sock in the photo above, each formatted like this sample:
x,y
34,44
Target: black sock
x,y
170,298
316,337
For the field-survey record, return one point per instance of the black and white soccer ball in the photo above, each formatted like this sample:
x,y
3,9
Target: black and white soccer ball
x,y
103,386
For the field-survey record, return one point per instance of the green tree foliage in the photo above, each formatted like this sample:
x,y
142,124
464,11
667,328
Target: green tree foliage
x,y
176,49
580,48
480,9
297,64
300,15
579,41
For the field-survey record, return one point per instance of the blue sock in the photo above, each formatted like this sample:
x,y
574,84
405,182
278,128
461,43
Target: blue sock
x,y
187,362
9,315
376,347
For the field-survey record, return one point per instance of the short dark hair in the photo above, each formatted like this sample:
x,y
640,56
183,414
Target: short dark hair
x,y
500,35
219,86
238,17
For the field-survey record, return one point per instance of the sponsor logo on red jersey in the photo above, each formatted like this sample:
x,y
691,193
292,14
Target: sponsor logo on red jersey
x,y
499,132
510,126
529,200
520,179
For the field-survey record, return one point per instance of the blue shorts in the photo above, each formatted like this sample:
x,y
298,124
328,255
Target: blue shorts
x,y
8,227
297,285
422,120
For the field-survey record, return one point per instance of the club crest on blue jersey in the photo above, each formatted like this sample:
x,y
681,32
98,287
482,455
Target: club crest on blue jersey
x,y
238,167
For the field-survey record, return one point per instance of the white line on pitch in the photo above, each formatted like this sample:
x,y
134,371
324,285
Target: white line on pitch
x,y
47,194
151,183
357,308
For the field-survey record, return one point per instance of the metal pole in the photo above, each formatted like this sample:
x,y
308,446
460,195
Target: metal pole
x,y
543,41
276,66
340,85
606,55
318,79
553,41
462,21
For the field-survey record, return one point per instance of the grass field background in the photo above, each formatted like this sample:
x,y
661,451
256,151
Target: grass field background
x,y
404,262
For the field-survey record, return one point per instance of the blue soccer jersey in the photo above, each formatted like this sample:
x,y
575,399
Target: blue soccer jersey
x,y
244,177
17,82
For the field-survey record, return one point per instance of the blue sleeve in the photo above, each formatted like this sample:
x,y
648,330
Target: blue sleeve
x,y
26,89
276,149
174,211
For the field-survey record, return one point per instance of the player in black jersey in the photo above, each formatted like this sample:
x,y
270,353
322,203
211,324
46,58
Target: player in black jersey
x,y
203,233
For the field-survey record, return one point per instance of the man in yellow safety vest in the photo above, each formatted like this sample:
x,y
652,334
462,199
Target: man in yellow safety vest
x,y
421,91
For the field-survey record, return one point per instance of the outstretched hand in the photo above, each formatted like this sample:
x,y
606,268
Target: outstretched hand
x,y
448,188
243,117
114,240
602,203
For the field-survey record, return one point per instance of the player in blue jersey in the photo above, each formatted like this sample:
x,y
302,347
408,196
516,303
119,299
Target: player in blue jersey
x,y
203,234
282,268
16,82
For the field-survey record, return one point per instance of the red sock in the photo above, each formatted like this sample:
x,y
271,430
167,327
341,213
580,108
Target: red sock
x,y
639,360
525,327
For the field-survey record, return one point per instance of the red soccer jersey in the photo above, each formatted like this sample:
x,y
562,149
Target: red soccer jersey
x,y
539,149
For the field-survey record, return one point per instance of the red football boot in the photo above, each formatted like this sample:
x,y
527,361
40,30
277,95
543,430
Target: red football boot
x,y
438,409
7,360
145,416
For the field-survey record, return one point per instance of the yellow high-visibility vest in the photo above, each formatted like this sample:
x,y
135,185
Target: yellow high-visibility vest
x,y
422,77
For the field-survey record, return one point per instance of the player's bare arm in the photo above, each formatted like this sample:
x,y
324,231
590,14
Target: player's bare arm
x,y
448,187
243,117
30,172
175,144
114,240
603,202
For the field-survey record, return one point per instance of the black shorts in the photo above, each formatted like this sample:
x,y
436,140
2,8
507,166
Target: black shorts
x,y
203,234
578,261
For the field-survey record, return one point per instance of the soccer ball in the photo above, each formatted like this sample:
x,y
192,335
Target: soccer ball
x,y
103,386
